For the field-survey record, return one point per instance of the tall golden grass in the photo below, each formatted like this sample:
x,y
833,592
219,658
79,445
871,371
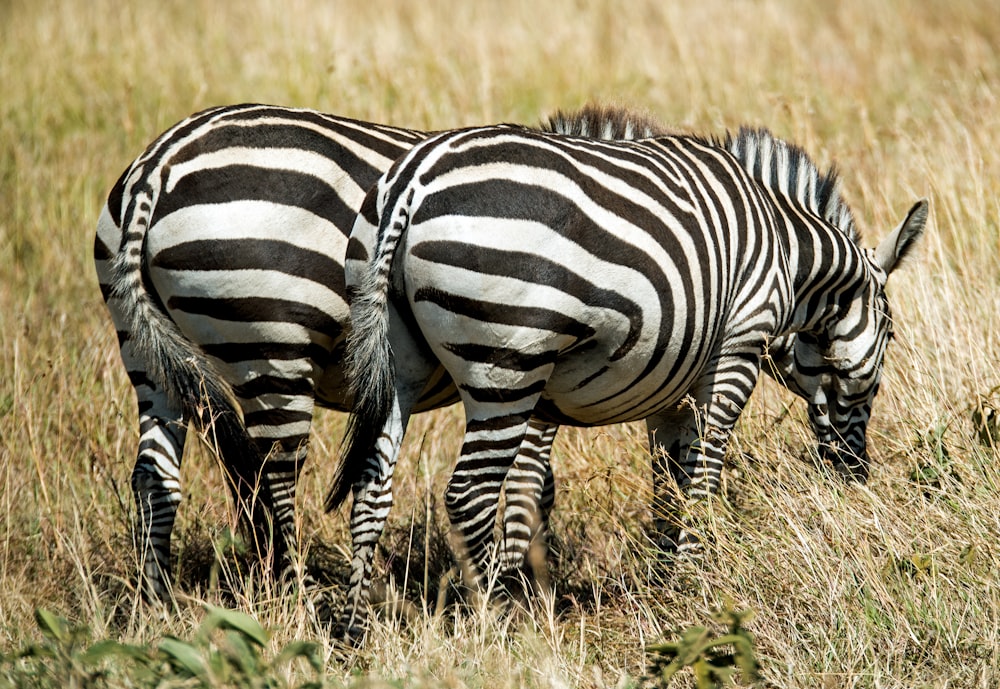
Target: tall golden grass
x,y
893,584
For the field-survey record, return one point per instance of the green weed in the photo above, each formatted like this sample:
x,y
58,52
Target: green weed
x,y
226,651
713,660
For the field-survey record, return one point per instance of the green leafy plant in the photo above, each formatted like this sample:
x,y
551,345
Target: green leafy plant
x,y
713,660
226,651
66,657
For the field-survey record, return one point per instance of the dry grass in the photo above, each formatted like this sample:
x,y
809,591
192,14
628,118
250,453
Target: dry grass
x,y
889,585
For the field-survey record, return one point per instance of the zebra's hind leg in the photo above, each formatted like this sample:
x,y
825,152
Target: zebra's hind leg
x,y
372,487
529,493
473,495
282,470
156,487
280,424
155,480
372,504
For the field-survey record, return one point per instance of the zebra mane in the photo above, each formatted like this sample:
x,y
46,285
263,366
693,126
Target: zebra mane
x,y
608,122
786,168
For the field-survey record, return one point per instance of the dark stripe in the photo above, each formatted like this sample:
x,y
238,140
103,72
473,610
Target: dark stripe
x,y
231,352
495,423
399,140
591,378
502,445
526,316
254,254
101,251
151,445
503,395
504,357
251,183
272,385
369,207
276,417
356,251
114,202
259,309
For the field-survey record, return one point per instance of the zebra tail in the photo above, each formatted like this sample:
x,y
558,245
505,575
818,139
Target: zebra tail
x,y
175,363
369,361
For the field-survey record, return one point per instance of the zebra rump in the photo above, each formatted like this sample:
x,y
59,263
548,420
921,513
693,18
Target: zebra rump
x,y
189,379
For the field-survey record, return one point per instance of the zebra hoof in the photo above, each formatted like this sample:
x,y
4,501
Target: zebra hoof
x,y
348,637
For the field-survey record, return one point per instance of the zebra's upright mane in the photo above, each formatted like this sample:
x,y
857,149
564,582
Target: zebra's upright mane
x,y
607,122
785,167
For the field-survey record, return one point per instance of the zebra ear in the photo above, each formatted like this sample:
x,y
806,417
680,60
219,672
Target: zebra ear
x,y
900,241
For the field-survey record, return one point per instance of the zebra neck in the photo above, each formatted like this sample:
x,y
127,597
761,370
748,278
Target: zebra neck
x,y
830,272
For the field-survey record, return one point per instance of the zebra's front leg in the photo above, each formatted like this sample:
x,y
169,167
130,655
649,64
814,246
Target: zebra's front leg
x,y
688,443
156,489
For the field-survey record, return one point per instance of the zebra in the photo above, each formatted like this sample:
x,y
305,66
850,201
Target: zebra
x,y
586,282
219,255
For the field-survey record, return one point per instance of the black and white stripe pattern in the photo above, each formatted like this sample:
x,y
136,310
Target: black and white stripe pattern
x,y
589,282
219,254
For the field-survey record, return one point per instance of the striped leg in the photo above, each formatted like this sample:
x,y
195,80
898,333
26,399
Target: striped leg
x,y
162,432
280,423
497,420
282,469
156,485
529,494
690,442
372,503
373,490
282,435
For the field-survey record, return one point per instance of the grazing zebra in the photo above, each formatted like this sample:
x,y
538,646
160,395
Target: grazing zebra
x,y
219,254
587,282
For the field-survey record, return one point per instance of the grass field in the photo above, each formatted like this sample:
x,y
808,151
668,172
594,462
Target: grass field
x,y
893,584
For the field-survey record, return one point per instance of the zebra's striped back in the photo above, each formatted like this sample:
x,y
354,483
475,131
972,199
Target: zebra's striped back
x,y
590,282
618,253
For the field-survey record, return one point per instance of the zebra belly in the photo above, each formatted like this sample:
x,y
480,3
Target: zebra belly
x,y
617,394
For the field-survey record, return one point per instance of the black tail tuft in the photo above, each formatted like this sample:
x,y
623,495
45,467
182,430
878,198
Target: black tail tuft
x,y
364,428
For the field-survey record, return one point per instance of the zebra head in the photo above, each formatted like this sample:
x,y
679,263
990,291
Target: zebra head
x,y
837,367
